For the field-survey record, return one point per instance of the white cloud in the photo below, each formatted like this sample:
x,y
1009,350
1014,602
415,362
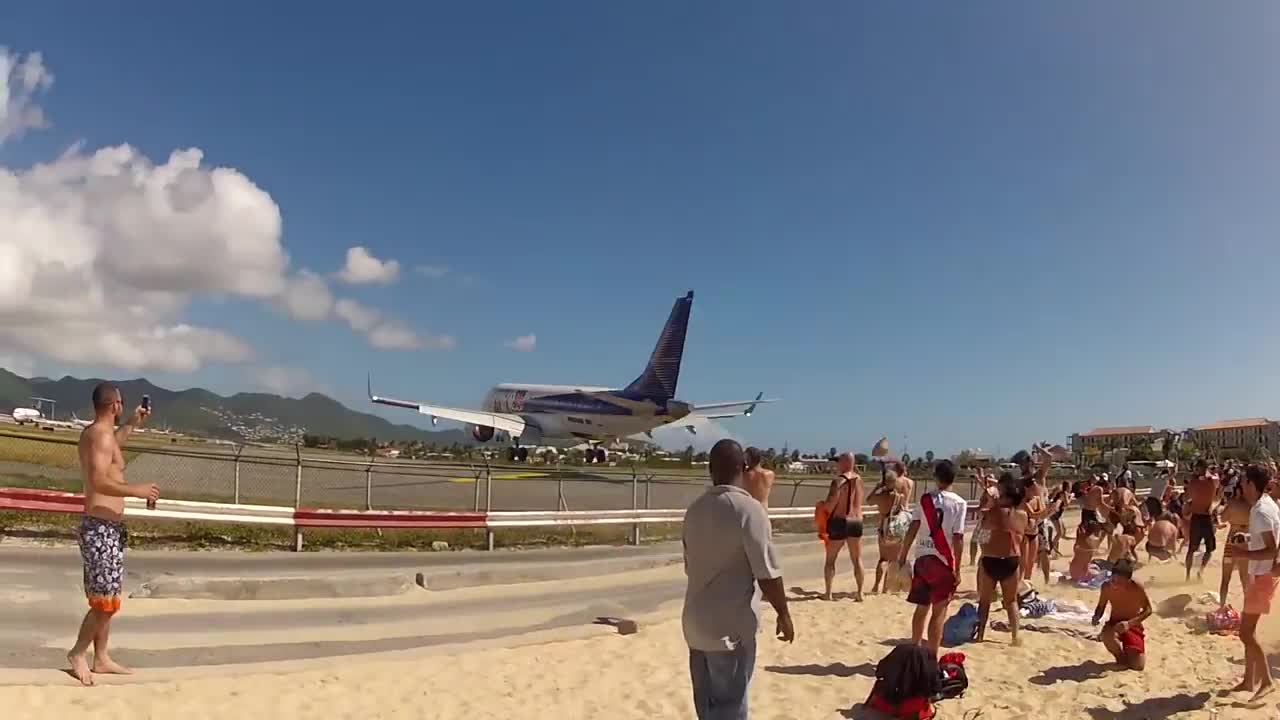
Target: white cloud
x,y
435,272
524,343
392,335
102,252
388,333
22,79
362,268
281,380
306,297
359,317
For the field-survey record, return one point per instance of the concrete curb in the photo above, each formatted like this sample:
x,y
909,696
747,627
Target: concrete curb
x,y
286,588
438,580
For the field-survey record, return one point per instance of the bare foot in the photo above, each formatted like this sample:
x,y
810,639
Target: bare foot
x,y
1263,691
825,596
107,666
857,597
80,668
1016,642
1242,687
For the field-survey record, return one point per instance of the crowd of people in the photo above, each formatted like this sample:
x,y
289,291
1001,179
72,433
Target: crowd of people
x,y
1018,529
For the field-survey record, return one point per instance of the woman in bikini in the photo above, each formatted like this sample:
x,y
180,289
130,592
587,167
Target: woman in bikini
x,y
1236,514
1059,500
1037,514
1000,533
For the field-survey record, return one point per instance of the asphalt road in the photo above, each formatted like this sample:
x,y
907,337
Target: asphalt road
x,y
41,590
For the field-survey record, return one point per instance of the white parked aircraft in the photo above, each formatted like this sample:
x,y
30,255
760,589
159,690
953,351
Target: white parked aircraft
x,y
569,414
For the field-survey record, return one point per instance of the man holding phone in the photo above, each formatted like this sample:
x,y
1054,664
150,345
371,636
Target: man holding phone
x,y
102,531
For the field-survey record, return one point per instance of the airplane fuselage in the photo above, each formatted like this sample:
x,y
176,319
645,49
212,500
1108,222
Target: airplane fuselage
x,y
575,412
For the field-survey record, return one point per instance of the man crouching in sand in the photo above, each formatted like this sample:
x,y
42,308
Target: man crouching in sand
x,y
102,532
1123,634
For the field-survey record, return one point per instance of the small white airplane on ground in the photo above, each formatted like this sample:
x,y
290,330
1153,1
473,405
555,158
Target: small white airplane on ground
x,y
569,414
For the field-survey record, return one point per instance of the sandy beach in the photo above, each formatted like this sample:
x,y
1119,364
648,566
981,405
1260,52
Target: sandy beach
x,y
1060,672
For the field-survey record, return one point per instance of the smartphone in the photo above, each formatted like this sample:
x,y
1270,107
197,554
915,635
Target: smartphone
x,y
146,402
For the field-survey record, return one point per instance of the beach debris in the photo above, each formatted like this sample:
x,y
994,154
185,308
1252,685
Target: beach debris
x,y
439,546
623,625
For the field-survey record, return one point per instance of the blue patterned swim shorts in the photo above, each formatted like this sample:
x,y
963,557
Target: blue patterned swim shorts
x,y
102,544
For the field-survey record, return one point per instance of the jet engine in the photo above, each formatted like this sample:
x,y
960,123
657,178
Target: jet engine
x,y
482,433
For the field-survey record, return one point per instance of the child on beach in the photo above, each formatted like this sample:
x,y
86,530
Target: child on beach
x,y
1123,634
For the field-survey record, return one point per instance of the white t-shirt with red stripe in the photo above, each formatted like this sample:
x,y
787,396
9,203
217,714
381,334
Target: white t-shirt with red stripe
x,y
953,509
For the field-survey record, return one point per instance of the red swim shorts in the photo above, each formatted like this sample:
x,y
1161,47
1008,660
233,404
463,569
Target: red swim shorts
x,y
1257,598
1132,640
932,581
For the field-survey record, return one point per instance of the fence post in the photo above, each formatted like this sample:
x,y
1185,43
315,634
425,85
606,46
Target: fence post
x,y
478,473
488,501
635,504
236,486
297,498
368,486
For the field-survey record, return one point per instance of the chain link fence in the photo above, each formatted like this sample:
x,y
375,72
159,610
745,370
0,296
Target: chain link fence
x,y
295,476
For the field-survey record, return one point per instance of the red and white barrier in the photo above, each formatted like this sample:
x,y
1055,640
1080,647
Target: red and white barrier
x,y
298,518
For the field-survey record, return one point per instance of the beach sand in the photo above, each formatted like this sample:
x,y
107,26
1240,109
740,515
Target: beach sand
x,y
1060,672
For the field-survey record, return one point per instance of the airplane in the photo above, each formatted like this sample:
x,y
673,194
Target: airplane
x,y
570,414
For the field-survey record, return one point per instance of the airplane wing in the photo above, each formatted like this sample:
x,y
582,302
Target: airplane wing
x,y
749,406
513,424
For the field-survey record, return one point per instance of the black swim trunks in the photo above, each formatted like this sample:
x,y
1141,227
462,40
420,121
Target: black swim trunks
x,y
843,529
1087,515
1158,551
1202,530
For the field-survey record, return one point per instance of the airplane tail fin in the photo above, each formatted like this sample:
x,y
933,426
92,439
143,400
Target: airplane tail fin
x,y
658,381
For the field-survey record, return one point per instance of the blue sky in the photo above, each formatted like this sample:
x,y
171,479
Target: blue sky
x,y
977,225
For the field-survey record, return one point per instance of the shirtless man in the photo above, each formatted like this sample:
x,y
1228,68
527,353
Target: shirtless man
x,y
1123,635
1163,537
901,471
1124,546
102,532
757,480
1091,502
1202,497
844,526
890,498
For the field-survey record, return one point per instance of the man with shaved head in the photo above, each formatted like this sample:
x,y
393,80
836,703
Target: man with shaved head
x,y
844,523
102,532
727,554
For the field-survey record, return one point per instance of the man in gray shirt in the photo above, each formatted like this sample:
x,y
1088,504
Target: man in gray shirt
x,y
727,552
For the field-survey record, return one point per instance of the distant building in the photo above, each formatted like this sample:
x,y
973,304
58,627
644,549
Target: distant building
x,y
1238,435
1105,439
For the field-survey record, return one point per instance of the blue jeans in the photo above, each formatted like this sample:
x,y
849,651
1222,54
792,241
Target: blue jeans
x,y
720,681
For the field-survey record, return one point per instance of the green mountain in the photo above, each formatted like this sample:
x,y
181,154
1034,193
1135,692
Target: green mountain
x,y
243,416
